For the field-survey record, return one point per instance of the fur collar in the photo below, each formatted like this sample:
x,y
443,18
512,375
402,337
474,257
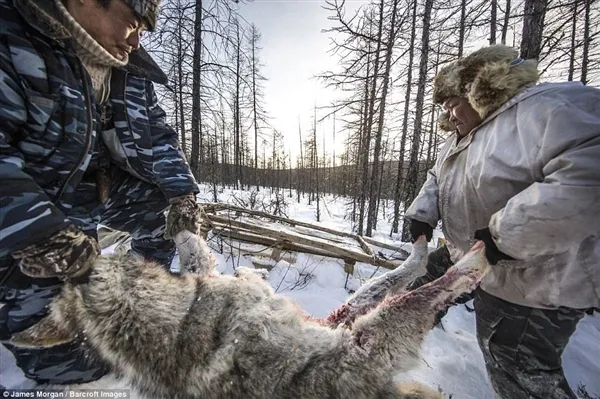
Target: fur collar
x,y
522,94
43,16
488,78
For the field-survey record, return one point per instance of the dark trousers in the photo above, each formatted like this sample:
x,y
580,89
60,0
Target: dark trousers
x,y
522,347
134,206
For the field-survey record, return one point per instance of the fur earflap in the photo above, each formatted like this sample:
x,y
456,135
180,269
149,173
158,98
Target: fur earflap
x,y
488,78
444,123
497,82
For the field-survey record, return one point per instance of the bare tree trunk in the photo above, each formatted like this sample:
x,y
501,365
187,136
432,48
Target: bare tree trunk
x,y
573,43
358,164
333,158
431,149
213,164
301,161
506,22
413,166
428,163
290,176
361,164
180,83
254,110
237,117
399,177
380,182
346,172
224,155
369,125
177,126
196,112
462,27
494,11
264,159
375,178
316,163
276,186
533,27
586,42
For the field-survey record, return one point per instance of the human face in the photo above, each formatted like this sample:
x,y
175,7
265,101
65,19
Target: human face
x,y
116,28
462,115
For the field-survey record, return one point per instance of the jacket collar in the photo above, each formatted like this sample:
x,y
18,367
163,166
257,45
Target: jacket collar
x,y
526,92
42,15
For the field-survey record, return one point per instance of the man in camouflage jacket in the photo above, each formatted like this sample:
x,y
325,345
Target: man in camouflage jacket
x,y
83,141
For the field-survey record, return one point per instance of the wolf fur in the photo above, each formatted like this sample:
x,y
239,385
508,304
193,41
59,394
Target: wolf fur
x,y
204,335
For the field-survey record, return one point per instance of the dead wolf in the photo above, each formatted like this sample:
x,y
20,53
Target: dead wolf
x,y
205,335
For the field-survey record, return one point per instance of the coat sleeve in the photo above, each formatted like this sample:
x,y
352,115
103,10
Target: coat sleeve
x,y
562,209
26,213
171,171
424,208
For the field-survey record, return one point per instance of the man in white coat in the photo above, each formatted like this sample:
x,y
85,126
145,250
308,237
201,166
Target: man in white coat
x,y
521,172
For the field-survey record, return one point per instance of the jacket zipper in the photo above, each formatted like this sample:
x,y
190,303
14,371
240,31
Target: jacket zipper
x,y
443,194
127,164
88,139
125,98
131,168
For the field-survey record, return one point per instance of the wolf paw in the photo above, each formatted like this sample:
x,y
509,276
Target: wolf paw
x,y
473,263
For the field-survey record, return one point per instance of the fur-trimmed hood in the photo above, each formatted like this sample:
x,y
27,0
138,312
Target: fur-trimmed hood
x,y
488,78
43,16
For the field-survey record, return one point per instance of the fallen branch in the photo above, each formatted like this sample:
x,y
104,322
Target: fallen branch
x,y
362,240
302,240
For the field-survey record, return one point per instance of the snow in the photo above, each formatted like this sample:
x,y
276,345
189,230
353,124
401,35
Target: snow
x,y
451,358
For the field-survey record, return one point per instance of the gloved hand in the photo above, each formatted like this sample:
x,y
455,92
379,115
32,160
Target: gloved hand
x,y
492,253
183,215
418,228
67,254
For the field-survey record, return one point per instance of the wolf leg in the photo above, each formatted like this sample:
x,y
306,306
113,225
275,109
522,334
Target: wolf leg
x,y
375,290
249,273
391,335
194,253
412,390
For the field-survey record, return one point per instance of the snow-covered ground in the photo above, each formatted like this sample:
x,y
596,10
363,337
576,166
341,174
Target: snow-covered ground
x,y
451,357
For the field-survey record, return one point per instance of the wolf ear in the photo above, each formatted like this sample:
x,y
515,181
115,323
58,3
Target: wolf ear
x,y
46,333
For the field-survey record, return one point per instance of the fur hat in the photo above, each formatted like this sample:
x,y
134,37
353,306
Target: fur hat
x,y
147,10
488,78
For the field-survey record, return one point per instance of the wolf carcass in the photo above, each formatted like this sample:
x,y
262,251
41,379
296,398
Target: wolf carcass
x,y
204,335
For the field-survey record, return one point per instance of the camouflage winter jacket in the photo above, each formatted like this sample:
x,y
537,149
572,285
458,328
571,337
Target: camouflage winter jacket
x,y
48,122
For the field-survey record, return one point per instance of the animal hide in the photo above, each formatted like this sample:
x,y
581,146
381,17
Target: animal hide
x,y
204,335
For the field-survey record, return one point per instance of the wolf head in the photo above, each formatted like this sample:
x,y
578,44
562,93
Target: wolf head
x,y
58,327
111,277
